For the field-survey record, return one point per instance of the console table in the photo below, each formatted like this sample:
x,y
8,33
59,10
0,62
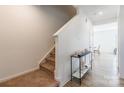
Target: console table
x,y
82,70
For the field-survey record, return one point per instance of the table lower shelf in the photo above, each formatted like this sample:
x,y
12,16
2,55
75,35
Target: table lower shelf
x,y
83,71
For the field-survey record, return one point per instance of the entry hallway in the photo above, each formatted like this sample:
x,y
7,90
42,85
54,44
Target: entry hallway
x,y
103,74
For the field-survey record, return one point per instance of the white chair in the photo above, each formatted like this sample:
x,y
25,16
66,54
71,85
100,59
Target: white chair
x,y
97,49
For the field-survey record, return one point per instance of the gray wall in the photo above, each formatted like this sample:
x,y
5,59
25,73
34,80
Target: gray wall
x,y
26,36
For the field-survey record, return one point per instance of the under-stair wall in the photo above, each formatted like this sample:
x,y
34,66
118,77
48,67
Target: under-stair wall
x,y
73,36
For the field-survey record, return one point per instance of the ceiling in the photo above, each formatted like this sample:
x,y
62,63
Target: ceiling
x,y
110,13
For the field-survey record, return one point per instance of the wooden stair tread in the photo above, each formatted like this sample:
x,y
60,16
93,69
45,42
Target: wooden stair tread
x,y
48,66
53,63
52,53
50,59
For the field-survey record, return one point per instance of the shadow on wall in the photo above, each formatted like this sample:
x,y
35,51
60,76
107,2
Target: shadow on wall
x,y
68,9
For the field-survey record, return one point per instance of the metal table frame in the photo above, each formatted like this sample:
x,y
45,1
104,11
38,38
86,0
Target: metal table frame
x,y
80,56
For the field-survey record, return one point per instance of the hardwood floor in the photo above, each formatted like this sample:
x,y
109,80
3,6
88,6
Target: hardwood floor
x,y
103,74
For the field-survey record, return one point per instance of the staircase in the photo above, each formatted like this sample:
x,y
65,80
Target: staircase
x,y
48,64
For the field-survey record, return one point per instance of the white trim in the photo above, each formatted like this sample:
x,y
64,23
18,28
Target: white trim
x,y
46,55
62,83
18,74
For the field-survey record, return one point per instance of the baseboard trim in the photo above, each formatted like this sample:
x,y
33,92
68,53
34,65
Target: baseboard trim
x,y
63,83
17,75
45,55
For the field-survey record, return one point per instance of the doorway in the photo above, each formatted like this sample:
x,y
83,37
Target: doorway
x,y
105,50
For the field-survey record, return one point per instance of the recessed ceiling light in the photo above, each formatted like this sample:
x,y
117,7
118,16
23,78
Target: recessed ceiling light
x,y
100,13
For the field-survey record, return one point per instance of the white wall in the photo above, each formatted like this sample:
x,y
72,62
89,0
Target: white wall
x,y
26,36
74,36
121,41
105,35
